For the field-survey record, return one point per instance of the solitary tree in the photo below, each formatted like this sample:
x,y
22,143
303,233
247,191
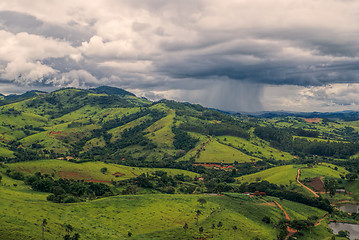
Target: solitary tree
x,y
234,231
200,230
344,233
202,201
44,223
219,224
330,186
198,212
185,227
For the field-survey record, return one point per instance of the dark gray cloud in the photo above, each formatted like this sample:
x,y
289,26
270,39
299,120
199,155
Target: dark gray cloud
x,y
226,54
17,22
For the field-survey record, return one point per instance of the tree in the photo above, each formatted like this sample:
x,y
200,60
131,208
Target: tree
x,y
343,233
44,223
266,220
200,230
185,227
198,212
219,224
104,170
129,234
330,186
68,228
234,231
202,201
351,176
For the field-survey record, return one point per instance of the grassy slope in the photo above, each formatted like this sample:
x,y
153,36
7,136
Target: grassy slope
x,y
146,216
6,152
324,169
218,153
88,170
259,148
353,187
277,175
161,131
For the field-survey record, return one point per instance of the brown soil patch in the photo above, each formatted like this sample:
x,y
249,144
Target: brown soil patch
x,y
312,120
317,184
298,175
269,204
78,176
98,181
71,175
23,170
213,165
118,174
52,133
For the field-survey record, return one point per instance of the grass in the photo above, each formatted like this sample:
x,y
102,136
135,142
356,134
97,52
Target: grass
x,y
88,170
220,153
353,187
161,131
6,152
323,169
277,175
145,216
257,147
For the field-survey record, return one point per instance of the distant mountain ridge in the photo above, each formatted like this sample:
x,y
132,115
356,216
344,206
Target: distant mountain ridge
x,y
111,91
344,115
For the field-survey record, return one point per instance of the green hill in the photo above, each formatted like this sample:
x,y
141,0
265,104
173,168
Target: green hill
x,y
145,216
111,145
88,170
111,123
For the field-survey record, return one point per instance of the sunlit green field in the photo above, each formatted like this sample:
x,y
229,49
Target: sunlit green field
x,y
145,216
220,153
323,169
88,170
277,175
256,147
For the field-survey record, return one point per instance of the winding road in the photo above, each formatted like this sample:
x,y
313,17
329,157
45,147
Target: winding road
x,y
298,175
291,231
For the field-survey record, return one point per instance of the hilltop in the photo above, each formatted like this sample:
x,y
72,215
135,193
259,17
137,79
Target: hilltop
x,y
104,148
111,123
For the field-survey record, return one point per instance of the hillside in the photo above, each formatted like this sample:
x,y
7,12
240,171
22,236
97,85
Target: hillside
x,y
113,124
106,153
146,216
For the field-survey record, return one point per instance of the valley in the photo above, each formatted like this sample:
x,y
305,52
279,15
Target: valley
x,y
104,164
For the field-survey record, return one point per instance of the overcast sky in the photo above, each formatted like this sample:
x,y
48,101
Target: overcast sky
x,y
240,55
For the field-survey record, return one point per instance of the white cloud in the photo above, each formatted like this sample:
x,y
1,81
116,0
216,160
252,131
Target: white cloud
x,y
75,78
22,54
207,51
26,72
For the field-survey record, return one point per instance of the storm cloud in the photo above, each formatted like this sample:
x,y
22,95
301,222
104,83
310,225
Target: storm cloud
x,y
233,55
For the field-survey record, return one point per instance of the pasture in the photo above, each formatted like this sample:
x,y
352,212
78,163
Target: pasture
x,y
88,170
157,216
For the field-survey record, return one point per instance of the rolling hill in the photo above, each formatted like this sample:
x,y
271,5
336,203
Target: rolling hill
x,y
124,166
